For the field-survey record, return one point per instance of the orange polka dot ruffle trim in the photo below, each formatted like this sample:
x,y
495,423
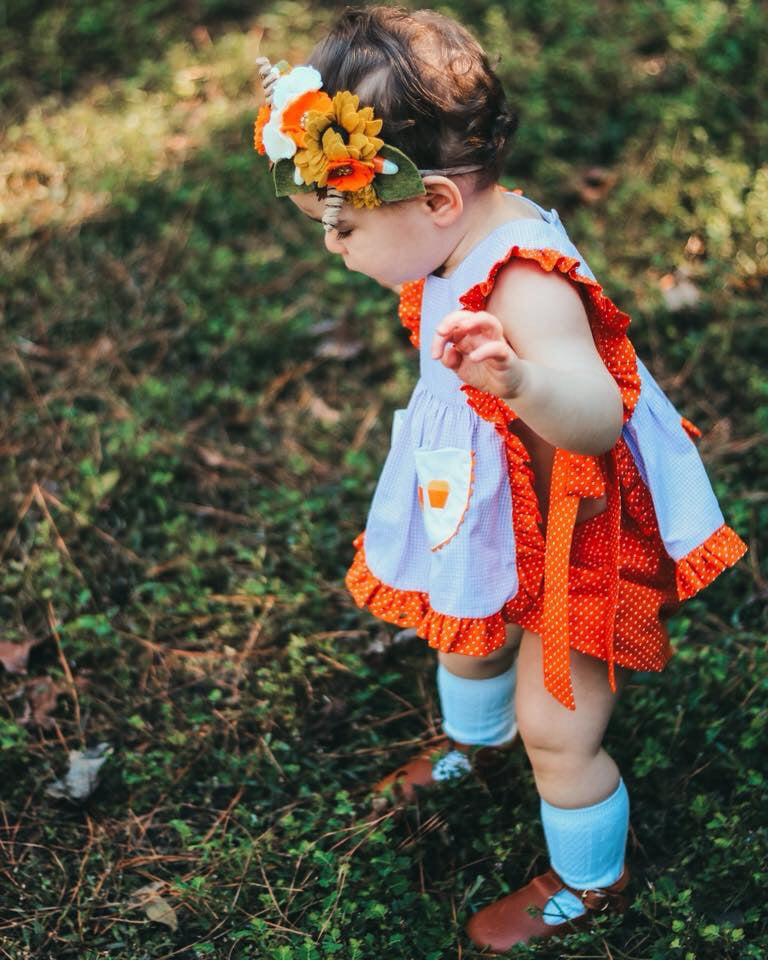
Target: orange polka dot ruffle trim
x,y
699,568
411,608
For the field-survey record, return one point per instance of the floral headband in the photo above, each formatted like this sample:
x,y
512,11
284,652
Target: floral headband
x,y
316,141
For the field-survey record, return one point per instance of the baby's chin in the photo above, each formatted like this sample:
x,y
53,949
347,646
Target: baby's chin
x,y
393,281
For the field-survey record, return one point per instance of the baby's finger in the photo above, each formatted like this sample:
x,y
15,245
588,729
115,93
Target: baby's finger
x,y
462,323
443,334
453,358
465,321
491,350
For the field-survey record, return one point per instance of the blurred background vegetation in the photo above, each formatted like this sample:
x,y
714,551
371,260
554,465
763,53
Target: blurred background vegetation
x,y
197,400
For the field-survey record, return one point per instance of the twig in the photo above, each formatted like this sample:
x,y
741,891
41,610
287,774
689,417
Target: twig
x,y
86,522
365,426
40,501
342,879
223,815
26,504
334,663
274,898
272,757
65,666
255,631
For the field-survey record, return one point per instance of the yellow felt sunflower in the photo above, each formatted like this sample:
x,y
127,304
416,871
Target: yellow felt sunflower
x,y
341,132
366,197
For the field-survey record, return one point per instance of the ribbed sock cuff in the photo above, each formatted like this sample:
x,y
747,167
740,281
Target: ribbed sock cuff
x,y
479,712
586,845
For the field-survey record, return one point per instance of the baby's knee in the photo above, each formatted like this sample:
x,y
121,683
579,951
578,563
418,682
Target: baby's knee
x,y
550,744
479,668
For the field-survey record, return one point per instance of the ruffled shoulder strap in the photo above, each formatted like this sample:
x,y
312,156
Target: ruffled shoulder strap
x,y
409,310
607,322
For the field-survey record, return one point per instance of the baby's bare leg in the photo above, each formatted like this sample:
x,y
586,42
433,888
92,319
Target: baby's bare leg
x,y
564,746
480,668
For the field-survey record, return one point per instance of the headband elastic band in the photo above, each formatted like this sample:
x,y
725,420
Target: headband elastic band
x,y
451,171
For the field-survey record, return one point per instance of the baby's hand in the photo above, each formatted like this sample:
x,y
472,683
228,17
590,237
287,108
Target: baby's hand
x,y
474,346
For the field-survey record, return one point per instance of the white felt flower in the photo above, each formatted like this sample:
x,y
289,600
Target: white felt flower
x,y
276,144
288,88
292,85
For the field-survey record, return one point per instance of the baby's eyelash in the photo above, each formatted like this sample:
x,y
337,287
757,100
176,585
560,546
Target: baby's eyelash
x,y
343,234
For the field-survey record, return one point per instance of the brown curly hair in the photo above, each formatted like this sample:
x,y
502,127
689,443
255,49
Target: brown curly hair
x,y
430,82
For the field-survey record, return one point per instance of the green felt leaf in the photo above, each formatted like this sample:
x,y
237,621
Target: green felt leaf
x,y
404,184
282,172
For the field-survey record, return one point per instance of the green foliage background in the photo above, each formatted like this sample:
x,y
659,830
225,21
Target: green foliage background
x,y
197,400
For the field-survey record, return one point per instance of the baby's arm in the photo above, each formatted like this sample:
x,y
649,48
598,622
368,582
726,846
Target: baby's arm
x,y
534,348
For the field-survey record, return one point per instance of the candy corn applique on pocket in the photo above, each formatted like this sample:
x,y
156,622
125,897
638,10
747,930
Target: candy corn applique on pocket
x,y
445,479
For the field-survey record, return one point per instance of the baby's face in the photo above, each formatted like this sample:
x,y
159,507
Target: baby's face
x,y
393,243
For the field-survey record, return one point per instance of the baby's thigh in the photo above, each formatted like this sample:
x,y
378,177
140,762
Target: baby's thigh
x,y
544,723
491,665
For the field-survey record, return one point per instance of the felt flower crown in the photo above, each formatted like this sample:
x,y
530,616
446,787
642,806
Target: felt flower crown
x,y
316,141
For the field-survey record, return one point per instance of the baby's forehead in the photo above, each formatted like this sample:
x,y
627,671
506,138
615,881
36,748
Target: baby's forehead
x,y
308,203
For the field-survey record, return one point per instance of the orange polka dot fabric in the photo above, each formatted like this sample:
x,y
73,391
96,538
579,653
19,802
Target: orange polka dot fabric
x,y
409,310
604,586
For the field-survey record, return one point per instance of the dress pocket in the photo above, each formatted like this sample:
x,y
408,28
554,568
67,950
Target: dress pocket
x,y
445,487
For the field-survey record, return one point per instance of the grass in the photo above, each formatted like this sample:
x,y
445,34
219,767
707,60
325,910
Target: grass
x,y
197,401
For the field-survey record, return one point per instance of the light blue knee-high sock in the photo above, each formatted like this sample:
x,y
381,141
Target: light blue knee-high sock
x,y
478,712
586,848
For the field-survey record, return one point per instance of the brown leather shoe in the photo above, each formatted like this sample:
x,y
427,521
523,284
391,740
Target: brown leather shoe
x,y
517,918
401,784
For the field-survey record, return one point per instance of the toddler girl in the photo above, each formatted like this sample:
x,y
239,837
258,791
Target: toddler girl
x,y
542,508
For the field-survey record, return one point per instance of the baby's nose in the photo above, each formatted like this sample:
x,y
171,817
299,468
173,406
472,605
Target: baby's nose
x,y
332,243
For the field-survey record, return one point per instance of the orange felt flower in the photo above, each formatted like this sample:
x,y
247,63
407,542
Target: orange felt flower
x,y
349,174
261,121
294,115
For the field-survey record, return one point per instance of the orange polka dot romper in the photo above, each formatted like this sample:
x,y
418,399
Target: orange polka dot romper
x,y
454,545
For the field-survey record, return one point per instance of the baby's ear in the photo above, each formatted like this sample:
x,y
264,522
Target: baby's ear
x,y
443,200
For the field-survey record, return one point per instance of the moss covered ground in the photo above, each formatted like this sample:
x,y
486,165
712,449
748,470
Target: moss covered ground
x,y
196,405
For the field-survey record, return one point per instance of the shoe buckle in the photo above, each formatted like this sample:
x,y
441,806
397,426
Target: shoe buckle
x,y
596,899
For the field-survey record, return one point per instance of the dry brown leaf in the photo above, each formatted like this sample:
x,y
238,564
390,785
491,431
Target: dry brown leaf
x,y
156,907
595,183
14,656
322,412
338,349
212,458
41,701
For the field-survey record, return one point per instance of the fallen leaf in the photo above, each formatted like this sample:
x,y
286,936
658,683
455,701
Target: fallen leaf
x,y
14,656
42,693
322,412
337,349
595,183
101,485
83,775
156,907
213,458
323,326
384,640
